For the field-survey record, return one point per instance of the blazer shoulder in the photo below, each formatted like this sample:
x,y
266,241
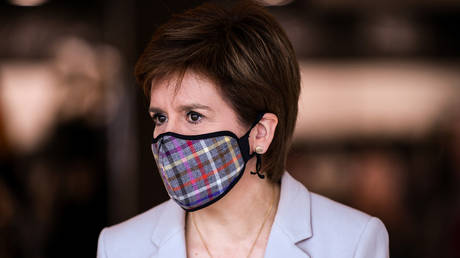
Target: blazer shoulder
x,y
324,208
350,230
130,236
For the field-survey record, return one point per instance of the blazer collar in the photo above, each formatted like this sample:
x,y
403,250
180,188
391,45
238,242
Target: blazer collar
x,y
169,231
294,209
292,224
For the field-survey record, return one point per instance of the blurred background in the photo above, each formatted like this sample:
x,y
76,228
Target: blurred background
x,y
378,129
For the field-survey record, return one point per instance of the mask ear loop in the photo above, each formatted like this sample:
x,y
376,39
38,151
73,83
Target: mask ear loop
x,y
258,155
244,140
258,166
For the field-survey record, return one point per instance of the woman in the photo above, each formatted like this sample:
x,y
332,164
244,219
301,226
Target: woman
x,y
224,86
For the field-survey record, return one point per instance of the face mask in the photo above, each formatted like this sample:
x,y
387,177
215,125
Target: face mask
x,y
198,170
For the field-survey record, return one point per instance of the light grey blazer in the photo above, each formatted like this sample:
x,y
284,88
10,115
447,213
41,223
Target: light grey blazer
x,y
306,225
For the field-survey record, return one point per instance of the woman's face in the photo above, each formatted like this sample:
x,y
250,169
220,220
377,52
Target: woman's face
x,y
196,107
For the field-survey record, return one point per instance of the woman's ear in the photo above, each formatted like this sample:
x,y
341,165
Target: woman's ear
x,y
264,133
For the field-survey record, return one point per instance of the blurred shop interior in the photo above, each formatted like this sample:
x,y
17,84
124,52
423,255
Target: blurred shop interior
x,y
378,128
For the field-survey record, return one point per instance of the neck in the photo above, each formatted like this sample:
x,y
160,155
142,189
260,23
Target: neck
x,y
240,212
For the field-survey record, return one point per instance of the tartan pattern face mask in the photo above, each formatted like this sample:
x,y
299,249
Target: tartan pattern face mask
x,y
198,170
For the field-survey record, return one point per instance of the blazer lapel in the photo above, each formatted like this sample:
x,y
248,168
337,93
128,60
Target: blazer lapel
x,y
169,233
292,223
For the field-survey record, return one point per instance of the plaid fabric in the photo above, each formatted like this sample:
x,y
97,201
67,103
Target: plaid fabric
x,y
195,172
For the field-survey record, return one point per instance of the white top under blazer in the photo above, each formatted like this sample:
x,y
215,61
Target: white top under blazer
x,y
306,225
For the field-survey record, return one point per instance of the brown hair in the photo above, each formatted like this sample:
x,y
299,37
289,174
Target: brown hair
x,y
245,52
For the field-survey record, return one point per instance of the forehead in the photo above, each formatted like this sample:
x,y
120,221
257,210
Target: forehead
x,y
190,88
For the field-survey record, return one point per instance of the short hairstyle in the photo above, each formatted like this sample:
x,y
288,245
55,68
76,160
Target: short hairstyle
x,y
245,52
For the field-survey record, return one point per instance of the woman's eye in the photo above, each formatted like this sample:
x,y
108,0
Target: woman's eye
x,y
194,117
159,119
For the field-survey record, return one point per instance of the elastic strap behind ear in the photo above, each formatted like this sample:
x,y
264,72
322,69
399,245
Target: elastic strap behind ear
x,y
244,140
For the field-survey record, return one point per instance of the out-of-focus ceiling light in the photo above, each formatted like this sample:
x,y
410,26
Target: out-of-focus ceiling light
x,y
275,2
28,2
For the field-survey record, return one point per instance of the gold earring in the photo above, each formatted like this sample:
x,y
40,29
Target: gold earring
x,y
259,149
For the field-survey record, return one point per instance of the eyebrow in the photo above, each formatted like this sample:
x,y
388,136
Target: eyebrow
x,y
155,110
182,108
194,106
